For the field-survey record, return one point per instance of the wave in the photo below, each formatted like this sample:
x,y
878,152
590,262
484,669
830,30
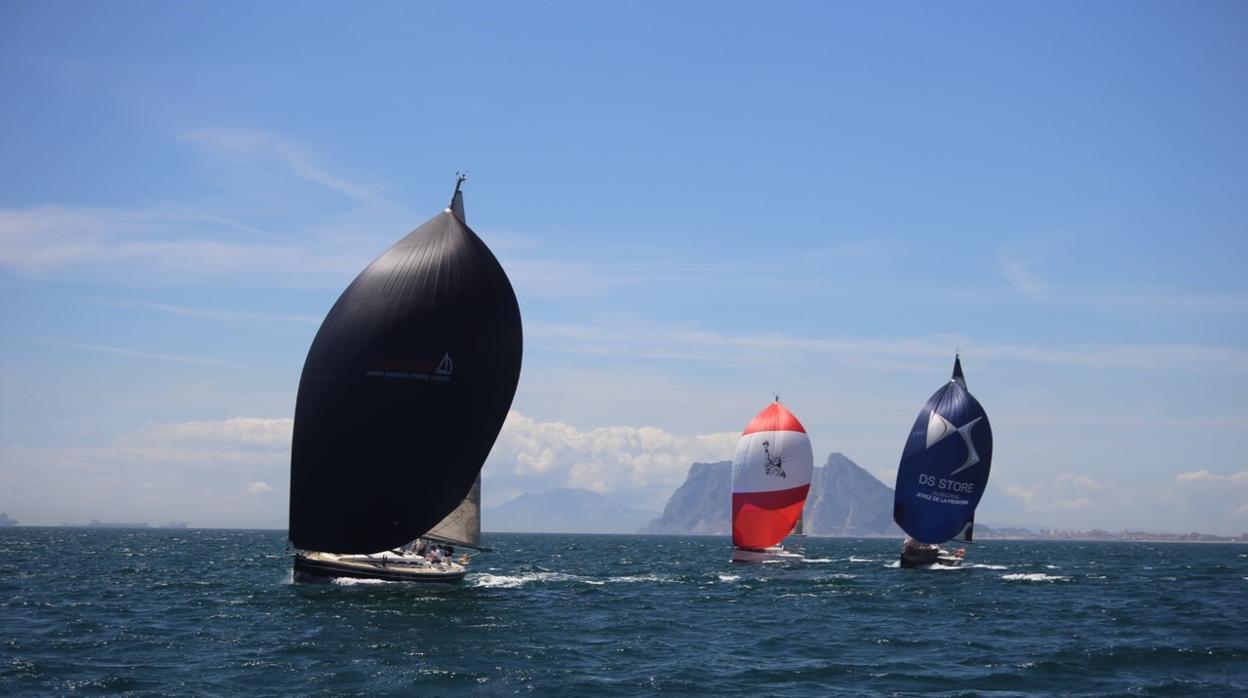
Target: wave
x,y
980,566
351,581
641,578
1034,577
505,581
735,577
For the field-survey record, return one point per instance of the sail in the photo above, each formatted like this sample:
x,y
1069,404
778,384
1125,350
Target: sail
x,y
944,466
403,392
463,525
771,474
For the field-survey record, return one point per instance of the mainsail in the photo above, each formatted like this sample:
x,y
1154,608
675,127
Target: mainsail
x,y
463,525
944,466
771,474
404,391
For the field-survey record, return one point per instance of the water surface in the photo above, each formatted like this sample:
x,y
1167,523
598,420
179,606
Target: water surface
x,y
215,612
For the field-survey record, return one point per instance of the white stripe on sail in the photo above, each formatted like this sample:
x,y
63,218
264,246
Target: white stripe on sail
x,y
767,461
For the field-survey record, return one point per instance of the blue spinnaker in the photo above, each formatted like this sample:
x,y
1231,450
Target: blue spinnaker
x,y
945,464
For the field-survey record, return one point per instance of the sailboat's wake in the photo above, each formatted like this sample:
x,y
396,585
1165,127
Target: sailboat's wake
x,y
1034,577
505,581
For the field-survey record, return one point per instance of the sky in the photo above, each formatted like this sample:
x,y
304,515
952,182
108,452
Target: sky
x,y
699,204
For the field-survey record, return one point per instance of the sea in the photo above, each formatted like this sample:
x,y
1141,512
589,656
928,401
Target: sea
x,y
215,612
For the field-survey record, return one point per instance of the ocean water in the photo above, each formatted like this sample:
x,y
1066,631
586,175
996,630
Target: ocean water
x,y
213,612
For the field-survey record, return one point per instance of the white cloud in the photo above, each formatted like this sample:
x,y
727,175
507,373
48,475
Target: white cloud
x,y
258,487
190,470
1064,492
646,462
1021,276
267,432
1204,476
177,470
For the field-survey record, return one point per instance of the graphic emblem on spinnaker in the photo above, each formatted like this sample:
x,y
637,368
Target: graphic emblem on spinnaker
x,y
938,428
774,464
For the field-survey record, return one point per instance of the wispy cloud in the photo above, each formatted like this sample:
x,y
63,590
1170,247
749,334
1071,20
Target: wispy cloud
x,y
640,339
300,161
1022,277
1175,301
122,351
162,244
210,313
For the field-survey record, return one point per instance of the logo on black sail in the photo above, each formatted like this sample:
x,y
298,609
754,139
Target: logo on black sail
x,y
446,366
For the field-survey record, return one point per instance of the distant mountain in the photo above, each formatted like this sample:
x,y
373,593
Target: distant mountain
x,y
6,521
563,511
844,500
702,503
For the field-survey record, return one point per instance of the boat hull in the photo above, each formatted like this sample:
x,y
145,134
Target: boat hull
x,y
936,558
314,567
774,553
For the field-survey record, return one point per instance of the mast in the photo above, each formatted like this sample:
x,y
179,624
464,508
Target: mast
x,y
462,526
457,199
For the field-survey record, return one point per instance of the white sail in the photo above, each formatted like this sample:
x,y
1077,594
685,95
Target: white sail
x,y
463,525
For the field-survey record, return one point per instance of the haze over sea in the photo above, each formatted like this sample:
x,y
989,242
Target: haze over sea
x,y
215,612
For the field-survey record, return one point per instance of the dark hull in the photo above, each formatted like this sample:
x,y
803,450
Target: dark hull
x,y
322,571
943,559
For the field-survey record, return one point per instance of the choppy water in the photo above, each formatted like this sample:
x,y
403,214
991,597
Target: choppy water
x,y
215,612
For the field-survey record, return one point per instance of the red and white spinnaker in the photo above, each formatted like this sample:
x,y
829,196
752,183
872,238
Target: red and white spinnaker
x,y
771,474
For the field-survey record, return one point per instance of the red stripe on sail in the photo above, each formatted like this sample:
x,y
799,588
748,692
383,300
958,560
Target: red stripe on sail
x,y
774,417
762,519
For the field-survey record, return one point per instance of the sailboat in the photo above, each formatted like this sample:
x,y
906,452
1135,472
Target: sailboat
x,y
403,393
942,474
771,474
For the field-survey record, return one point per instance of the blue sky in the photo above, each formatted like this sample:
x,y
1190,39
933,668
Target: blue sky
x,y
699,204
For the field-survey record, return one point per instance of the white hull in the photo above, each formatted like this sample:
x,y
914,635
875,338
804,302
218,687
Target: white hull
x,y
393,567
765,555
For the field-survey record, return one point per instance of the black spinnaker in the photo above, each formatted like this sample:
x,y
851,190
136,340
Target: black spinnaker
x,y
404,391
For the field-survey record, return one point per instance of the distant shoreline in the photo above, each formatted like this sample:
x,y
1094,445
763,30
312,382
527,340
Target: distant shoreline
x,y
1057,537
